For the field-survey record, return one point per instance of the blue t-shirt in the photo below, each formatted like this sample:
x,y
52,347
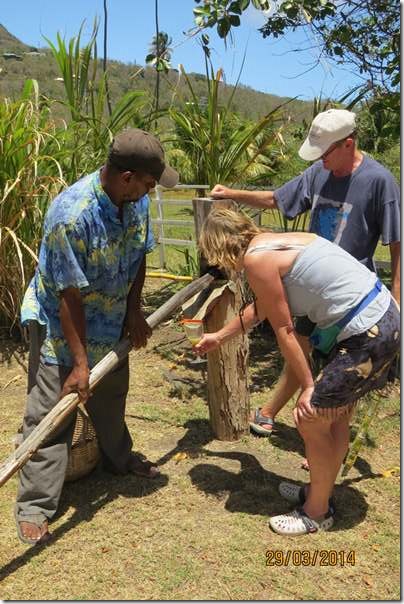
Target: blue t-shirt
x,y
87,246
353,211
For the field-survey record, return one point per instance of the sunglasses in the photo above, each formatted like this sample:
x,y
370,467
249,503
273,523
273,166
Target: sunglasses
x,y
331,149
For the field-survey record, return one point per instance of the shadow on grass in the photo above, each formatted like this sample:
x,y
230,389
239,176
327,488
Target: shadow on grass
x,y
157,297
265,360
199,433
286,438
253,490
88,496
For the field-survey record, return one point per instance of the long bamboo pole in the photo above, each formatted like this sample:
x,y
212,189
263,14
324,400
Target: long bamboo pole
x,y
69,402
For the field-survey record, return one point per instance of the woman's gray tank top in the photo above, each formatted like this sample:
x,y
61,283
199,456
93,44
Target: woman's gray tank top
x,y
325,282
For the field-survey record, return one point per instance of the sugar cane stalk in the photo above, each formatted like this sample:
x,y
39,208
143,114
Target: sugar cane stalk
x,y
360,438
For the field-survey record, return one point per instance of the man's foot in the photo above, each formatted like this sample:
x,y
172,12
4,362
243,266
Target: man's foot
x,y
139,465
33,530
261,424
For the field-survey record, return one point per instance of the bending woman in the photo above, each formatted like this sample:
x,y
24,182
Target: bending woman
x,y
357,324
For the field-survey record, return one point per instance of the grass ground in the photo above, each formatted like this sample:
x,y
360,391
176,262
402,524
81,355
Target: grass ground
x,y
200,531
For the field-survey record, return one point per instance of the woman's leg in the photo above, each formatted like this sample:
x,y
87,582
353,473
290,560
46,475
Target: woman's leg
x,y
285,388
326,442
319,445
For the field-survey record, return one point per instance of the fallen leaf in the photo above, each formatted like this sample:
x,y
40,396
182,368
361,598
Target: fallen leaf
x,y
180,456
391,472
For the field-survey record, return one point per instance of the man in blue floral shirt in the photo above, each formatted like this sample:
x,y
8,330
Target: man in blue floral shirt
x,y
85,295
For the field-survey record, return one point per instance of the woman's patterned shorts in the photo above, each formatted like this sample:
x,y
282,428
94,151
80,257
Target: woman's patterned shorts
x,y
359,364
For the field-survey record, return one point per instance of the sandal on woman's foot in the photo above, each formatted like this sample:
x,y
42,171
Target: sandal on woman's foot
x,y
36,520
257,424
295,494
299,523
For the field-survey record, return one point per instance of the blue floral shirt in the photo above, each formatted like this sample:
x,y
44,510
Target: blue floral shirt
x,y
87,246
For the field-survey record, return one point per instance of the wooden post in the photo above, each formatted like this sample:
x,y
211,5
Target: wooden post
x,y
228,394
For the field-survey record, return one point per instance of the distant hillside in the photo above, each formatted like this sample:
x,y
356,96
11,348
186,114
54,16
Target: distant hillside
x,y
9,43
30,62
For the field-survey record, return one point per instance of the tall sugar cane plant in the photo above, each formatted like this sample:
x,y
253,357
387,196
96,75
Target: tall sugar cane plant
x,y
38,158
92,125
30,174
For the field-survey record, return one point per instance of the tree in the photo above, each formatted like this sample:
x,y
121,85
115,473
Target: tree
x,y
160,54
364,34
212,142
225,14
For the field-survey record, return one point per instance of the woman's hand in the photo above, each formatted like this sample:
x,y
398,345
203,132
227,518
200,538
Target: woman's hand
x,y
304,409
208,342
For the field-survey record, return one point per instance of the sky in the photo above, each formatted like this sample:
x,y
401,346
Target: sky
x,y
270,65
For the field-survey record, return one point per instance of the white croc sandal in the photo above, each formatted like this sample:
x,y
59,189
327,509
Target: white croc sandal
x,y
298,523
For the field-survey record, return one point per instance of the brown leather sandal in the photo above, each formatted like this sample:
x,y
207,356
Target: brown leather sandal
x,y
38,521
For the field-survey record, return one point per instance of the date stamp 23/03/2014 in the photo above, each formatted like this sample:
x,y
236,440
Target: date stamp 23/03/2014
x,y
322,557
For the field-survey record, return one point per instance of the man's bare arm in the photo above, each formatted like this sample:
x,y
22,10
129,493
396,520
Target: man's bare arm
x,y
395,255
136,326
256,199
73,321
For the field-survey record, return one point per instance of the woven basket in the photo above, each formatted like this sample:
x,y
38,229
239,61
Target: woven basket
x,y
84,453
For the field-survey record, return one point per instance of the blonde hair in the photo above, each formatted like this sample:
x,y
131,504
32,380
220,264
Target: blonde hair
x,y
225,237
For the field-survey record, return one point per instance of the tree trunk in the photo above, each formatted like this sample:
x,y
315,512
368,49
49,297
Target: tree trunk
x,y
228,393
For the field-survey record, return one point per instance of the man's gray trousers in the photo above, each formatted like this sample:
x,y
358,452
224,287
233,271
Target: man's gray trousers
x,y
42,477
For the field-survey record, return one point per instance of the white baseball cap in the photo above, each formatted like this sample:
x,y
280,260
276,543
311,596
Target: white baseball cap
x,y
327,128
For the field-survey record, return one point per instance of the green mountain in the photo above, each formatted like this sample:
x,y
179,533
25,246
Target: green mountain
x,y
18,61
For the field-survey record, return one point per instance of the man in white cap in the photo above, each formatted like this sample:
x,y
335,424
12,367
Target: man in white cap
x,y
353,200
85,295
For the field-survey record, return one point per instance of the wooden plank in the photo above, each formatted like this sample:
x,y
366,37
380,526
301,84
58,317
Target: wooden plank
x,y
68,403
172,222
176,202
177,241
190,187
383,265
